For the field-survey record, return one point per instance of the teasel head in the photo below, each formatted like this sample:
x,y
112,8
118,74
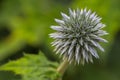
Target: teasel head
x,y
78,35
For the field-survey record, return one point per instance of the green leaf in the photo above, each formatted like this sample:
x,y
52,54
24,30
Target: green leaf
x,y
33,67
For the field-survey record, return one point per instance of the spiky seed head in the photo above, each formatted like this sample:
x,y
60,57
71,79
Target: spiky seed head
x,y
78,35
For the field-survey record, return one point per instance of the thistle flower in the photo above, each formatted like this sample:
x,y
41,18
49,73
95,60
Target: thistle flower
x,y
78,35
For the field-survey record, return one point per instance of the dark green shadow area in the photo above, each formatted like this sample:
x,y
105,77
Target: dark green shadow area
x,y
114,56
9,75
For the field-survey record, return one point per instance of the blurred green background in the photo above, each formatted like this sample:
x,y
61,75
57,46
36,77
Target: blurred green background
x,y
25,25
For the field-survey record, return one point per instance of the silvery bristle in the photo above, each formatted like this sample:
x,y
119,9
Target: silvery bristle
x,y
78,35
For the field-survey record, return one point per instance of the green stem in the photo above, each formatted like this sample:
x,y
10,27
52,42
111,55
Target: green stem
x,y
61,69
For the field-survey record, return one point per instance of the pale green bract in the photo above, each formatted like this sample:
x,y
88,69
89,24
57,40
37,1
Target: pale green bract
x,y
78,35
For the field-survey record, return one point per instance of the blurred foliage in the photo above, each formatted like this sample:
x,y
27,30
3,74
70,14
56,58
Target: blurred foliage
x,y
25,25
28,22
33,67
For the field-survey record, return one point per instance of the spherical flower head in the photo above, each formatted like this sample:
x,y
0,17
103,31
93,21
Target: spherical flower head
x,y
78,36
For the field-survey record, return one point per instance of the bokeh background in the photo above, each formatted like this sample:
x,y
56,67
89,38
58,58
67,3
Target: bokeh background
x,y
25,25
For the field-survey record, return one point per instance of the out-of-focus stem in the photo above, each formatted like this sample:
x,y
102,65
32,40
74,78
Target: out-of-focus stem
x,y
61,69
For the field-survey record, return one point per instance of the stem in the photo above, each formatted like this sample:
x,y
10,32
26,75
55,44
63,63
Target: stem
x,y
63,66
